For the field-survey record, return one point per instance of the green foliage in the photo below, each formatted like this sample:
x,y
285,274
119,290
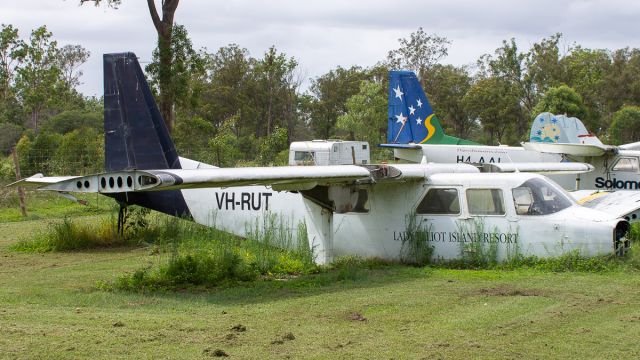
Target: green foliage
x,y
272,145
225,144
585,71
38,79
44,204
205,257
625,127
446,86
415,248
70,120
365,119
477,254
9,136
191,137
187,68
7,171
621,84
330,93
81,151
419,52
561,100
35,154
494,103
71,235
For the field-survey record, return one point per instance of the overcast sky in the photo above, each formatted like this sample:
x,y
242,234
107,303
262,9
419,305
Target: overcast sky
x,y
322,34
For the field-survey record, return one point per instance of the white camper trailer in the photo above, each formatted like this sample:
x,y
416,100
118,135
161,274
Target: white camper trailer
x,y
329,152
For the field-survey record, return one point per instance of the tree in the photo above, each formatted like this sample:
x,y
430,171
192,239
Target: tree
x,y
225,144
621,85
10,54
38,79
561,100
492,102
164,29
543,63
70,120
10,57
446,86
276,86
585,71
331,92
70,58
419,52
625,127
271,146
365,118
187,69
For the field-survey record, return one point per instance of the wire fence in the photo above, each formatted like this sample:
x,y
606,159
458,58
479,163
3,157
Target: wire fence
x,y
50,162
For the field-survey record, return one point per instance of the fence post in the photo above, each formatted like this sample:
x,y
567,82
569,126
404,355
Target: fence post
x,y
16,163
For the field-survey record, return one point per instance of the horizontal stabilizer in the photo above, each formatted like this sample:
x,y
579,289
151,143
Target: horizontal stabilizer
x,y
40,180
401,146
538,167
577,150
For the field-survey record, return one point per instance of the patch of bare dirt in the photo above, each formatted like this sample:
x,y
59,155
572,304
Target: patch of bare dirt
x,y
503,291
356,316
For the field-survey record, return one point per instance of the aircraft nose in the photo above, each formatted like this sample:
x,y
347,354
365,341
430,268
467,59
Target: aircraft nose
x,y
621,238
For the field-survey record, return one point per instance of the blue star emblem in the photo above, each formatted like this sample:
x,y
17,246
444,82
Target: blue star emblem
x,y
554,120
541,120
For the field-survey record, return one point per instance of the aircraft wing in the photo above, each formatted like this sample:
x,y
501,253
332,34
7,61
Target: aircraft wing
x,y
283,178
621,203
538,167
578,150
630,146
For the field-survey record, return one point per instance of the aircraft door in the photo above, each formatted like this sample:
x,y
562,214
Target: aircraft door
x,y
534,204
489,233
437,214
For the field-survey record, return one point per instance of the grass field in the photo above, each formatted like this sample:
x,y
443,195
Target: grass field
x,y
52,307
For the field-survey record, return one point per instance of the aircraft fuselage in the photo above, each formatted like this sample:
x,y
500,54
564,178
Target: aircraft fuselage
x,y
614,172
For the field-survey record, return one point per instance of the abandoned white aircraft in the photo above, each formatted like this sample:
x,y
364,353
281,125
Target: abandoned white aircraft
x,y
368,210
418,137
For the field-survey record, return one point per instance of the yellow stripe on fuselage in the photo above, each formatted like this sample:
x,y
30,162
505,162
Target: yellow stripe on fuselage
x,y
591,197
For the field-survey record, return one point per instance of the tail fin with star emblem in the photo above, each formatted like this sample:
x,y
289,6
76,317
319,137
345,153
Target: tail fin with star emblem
x,y
561,129
410,117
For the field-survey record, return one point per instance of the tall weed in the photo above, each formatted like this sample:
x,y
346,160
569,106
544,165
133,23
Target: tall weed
x,y
192,255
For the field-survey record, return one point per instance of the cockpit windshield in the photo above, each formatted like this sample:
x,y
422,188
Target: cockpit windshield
x,y
539,197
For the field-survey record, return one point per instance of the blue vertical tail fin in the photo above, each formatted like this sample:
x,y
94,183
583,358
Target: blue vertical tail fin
x,y
410,116
135,135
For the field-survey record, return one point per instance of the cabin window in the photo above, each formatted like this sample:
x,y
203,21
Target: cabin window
x,y
304,157
539,197
440,202
485,202
349,200
364,146
626,164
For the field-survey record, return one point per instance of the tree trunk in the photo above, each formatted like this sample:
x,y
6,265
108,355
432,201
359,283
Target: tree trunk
x,y
23,207
164,28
